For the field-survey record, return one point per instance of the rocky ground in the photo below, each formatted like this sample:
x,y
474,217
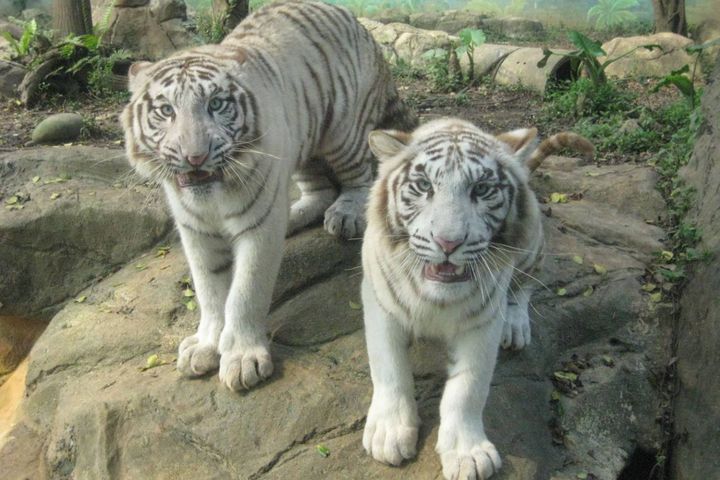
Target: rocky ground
x,y
581,400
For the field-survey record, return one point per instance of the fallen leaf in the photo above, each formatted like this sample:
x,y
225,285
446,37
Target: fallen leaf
x,y
323,450
556,197
588,291
191,305
355,305
569,376
666,255
578,259
649,287
81,299
188,293
36,179
599,269
12,200
608,361
140,267
54,196
152,362
561,292
555,396
656,297
162,251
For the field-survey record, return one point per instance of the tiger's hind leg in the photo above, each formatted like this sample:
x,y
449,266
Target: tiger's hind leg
x,y
317,193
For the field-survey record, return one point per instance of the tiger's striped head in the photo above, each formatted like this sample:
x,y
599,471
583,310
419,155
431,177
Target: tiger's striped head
x,y
446,193
188,115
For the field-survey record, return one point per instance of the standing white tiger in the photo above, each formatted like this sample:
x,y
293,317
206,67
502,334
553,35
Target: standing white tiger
x,y
296,87
451,223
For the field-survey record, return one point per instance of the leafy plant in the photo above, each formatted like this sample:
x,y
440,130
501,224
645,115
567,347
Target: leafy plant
x,y
610,13
23,47
469,39
585,58
679,78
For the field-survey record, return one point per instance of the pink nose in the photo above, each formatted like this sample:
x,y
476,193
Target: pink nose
x,y
197,160
447,246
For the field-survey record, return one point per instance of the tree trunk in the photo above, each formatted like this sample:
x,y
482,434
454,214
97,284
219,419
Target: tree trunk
x,y
72,17
233,10
670,16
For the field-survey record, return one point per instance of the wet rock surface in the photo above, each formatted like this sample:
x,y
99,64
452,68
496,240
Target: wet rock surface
x,y
91,411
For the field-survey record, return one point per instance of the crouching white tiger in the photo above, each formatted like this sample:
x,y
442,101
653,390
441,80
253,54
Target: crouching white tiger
x,y
296,87
453,234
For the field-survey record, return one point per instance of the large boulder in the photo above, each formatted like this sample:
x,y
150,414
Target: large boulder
x,y
514,27
66,222
697,412
706,31
405,43
643,62
90,410
11,74
151,29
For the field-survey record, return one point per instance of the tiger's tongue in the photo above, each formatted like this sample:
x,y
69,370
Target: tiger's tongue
x,y
444,268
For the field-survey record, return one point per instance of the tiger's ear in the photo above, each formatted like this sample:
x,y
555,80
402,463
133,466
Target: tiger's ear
x,y
388,143
521,142
137,74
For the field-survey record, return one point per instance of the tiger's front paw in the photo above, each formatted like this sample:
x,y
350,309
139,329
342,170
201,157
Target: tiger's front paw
x,y
196,358
245,368
346,217
391,431
479,462
516,329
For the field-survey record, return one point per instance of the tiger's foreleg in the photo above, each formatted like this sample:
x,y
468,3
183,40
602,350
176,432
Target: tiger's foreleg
x,y
516,327
317,194
244,347
211,264
465,451
391,429
346,217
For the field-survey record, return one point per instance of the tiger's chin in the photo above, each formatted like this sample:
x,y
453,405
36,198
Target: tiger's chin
x,y
195,178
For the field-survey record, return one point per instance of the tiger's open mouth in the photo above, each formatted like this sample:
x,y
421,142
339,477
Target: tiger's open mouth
x,y
197,177
446,272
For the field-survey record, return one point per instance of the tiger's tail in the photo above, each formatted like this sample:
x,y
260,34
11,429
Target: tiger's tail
x,y
558,142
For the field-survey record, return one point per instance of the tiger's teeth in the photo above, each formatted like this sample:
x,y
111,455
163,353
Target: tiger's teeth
x,y
460,270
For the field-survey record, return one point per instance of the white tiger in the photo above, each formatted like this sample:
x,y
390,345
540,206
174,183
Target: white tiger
x,y
296,87
453,234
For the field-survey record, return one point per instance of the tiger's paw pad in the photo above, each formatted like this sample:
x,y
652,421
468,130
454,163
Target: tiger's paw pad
x,y
244,370
480,462
346,217
196,358
516,329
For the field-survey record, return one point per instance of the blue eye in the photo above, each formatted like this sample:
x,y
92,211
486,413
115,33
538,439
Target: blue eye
x,y
423,185
167,110
215,104
480,189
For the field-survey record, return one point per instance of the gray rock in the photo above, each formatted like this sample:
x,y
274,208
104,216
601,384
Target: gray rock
x,y
58,128
453,21
79,223
11,74
647,63
164,10
425,20
696,414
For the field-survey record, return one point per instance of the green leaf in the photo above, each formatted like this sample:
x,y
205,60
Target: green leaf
x,y
585,44
12,200
81,299
588,291
188,293
36,179
191,305
666,255
599,269
656,297
561,292
649,287
323,450
355,305
556,197
577,259
54,196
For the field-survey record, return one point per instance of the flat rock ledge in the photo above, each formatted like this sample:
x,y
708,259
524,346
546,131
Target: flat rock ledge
x,y
90,411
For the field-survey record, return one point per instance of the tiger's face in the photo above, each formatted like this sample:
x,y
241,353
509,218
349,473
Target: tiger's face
x,y
451,189
187,117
